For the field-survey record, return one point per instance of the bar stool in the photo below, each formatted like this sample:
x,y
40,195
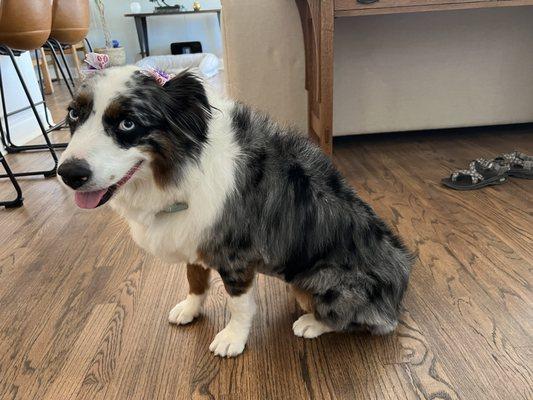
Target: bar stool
x,y
24,25
70,25
18,201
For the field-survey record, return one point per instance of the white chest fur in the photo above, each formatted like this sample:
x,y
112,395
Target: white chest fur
x,y
173,238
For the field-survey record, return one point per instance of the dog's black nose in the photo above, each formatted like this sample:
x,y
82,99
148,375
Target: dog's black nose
x,y
75,172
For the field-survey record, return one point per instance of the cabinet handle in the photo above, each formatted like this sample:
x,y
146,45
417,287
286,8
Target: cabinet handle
x,y
367,1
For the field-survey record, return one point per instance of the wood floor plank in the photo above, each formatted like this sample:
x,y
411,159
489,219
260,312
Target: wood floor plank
x,y
70,377
420,364
102,368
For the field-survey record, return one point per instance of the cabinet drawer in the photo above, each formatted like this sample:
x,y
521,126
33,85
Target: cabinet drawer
x,y
343,5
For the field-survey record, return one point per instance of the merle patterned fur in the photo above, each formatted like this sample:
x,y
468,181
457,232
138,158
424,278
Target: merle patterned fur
x,y
292,215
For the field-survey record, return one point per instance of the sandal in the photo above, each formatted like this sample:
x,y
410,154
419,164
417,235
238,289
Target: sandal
x,y
480,173
520,164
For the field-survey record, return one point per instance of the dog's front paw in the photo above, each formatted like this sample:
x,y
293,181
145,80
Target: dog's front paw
x,y
309,327
186,311
228,343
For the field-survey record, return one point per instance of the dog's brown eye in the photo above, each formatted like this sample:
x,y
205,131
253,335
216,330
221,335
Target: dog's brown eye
x,y
126,125
73,115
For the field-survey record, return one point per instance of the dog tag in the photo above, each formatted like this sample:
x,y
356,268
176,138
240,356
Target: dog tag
x,y
176,207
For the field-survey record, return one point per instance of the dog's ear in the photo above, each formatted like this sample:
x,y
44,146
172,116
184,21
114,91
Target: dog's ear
x,y
187,106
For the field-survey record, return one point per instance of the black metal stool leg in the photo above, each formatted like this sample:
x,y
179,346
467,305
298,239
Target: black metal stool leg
x,y
65,63
6,140
89,47
18,201
56,60
46,173
41,86
5,136
51,128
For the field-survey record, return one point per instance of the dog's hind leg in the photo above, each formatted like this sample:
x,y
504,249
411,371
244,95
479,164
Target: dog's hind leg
x,y
383,329
190,308
230,341
377,321
307,326
304,299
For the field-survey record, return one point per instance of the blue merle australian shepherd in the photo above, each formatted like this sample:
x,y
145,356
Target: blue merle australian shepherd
x,y
207,181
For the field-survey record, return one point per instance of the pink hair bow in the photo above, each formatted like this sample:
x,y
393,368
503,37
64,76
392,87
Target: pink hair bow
x,y
99,62
96,61
160,76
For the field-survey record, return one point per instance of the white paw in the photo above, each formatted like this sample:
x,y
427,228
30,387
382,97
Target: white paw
x,y
186,311
228,343
308,327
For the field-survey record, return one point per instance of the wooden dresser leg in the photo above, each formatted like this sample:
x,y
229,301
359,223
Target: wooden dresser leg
x,y
317,18
326,75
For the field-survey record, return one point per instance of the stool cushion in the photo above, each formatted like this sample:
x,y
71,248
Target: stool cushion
x,y
70,20
25,24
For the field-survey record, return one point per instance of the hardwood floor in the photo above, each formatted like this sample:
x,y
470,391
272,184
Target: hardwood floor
x,y
83,311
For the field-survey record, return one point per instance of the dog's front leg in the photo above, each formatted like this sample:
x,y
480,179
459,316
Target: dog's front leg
x,y
190,308
230,341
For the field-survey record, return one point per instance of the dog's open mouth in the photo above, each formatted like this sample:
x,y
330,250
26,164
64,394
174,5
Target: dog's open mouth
x,y
96,198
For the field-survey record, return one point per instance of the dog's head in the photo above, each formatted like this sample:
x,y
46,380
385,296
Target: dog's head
x,y
122,121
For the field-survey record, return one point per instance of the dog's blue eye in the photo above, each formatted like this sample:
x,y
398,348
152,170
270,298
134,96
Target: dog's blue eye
x,y
126,125
73,115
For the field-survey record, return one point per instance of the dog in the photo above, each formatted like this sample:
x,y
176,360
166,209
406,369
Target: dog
x,y
209,182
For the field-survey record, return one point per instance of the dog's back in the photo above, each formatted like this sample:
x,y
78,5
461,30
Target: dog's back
x,y
292,215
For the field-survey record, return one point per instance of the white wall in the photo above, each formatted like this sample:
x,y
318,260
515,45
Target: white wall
x,y
23,126
162,30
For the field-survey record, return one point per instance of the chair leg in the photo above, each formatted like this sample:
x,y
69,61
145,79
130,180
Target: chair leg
x,y
75,58
65,63
56,60
56,70
47,80
49,146
42,83
18,201
89,47
6,136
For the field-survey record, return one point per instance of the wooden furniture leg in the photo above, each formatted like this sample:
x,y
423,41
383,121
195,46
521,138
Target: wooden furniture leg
x,y
45,72
142,33
76,59
317,18
56,69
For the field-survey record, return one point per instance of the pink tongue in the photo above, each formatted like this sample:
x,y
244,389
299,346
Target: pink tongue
x,y
89,199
